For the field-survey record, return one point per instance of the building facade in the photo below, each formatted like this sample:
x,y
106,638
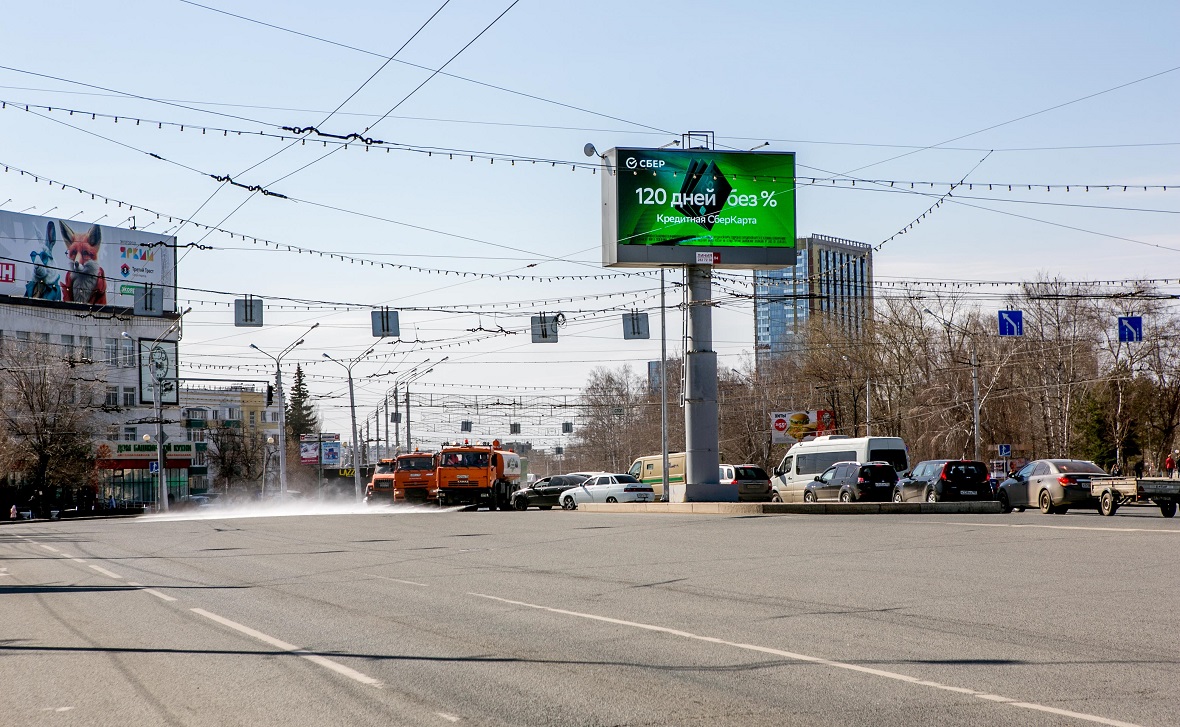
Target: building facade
x,y
832,277
210,413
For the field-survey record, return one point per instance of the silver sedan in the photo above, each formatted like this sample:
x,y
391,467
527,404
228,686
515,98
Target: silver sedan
x,y
1053,485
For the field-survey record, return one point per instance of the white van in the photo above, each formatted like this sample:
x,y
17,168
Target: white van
x,y
650,471
805,460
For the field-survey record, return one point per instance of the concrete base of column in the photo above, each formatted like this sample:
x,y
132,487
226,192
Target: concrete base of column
x,y
703,493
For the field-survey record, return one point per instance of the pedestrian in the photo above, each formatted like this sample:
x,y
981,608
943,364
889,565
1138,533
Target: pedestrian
x,y
1116,470
13,514
1170,466
1139,469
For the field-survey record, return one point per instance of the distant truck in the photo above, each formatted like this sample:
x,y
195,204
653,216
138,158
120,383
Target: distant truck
x,y
1114,492
380,487
414,478
482,475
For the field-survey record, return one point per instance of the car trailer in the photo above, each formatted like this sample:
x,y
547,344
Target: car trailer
x,y
1114,492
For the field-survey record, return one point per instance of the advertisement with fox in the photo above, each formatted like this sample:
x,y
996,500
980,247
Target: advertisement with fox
x,y
67,261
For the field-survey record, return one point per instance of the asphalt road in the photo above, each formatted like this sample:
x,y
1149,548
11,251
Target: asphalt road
x,y
572,618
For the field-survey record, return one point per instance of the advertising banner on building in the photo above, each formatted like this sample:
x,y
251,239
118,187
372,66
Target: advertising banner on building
x,y
698,206
788,427
70,261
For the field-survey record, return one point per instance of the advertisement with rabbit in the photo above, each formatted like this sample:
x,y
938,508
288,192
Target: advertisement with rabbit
x,y
70,261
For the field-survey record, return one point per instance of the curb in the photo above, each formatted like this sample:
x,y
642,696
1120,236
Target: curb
x,y
978,507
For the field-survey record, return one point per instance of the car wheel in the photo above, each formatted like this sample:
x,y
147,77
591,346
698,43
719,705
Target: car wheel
x,y
520,503
1046,503
897,497
808,496
845,496
569,504
1005,504
775,497
931,494
611,499
1168,509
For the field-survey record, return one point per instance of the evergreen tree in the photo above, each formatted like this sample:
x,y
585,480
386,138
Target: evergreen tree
x,y
301,415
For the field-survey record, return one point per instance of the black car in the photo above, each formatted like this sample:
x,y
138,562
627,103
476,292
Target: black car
x,y
853,481
544,492
943,480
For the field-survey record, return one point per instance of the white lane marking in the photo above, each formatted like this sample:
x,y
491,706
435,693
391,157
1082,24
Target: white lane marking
x,y
157,594
106,572
56,709
396,580
1057,527
278,644
447,717
77,560
811,659
50,547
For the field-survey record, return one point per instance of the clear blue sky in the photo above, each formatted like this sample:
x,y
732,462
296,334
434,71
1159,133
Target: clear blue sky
x,y
847,86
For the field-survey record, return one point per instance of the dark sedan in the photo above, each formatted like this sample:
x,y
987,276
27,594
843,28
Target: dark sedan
x,y
544,492
1053,485
942,480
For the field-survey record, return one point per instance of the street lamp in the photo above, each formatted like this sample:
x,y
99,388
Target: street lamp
x,y
974,374
159,366
283,405
356,465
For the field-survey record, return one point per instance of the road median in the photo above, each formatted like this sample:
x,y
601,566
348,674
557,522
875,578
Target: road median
x,y
986,507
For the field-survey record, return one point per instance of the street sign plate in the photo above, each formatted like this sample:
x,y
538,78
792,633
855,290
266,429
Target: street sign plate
x,y
1130,329
1005,450
1011,323
153,467
248,312
635,326
545,328
385,323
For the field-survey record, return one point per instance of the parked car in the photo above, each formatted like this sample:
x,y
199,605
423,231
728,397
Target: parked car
x,y
752,481
1053,485
544,493
939,480
606,487
853,481
808,458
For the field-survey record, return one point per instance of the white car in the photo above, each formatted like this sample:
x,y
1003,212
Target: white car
x,y
605,487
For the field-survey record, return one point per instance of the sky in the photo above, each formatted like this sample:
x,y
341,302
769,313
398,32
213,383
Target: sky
x,y
1044,94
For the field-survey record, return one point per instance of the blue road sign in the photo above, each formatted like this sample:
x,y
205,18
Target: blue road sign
x,y
1011,323
1005,450
1130,329
153,466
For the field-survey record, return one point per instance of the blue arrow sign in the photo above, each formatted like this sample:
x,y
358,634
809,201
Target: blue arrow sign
x,y
1011,323
1130,329
1005,450
153,466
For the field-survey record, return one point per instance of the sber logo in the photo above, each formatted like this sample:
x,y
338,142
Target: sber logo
x,y
633,163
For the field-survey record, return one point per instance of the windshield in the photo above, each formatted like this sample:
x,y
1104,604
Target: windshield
x,y
895,457
752,473
384,468
464,459
1078,466
626,479
416,463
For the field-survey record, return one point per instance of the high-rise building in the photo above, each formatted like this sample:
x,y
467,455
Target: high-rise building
x,y
832,278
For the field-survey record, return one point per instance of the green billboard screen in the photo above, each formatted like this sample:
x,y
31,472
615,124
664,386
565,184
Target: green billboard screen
x,y
683,207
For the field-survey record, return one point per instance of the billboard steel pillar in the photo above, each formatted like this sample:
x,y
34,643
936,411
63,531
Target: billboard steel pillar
x,y
701,460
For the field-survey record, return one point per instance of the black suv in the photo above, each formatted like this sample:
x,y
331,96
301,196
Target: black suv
x,y
939,480
544,492
853,481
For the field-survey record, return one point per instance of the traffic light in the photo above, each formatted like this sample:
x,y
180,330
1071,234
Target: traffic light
x,y
270,395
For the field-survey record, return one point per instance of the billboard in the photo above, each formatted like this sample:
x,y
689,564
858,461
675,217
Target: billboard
x,y
788,427
67,261
309,452
697,206
157,361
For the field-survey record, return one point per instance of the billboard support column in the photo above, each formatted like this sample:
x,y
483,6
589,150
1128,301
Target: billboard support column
x,y
701,480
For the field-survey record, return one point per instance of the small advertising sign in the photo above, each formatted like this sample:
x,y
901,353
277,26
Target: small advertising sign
x,y
788,427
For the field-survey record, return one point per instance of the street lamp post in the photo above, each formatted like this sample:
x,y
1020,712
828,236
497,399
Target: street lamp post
x,y
159,366
356,465
283,405
974,374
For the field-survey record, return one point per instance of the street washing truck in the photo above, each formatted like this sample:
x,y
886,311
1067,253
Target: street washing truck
x,y
414,478
380,488
477,474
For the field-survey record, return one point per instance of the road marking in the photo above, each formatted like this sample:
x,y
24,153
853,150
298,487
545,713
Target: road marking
x,y
278,644
106,572
56,709
154,592
1059,527
396,580
50,547
447,717
813,660
77,560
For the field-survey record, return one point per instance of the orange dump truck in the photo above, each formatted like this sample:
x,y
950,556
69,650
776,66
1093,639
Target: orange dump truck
x,y
477,474
414,478
380,488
